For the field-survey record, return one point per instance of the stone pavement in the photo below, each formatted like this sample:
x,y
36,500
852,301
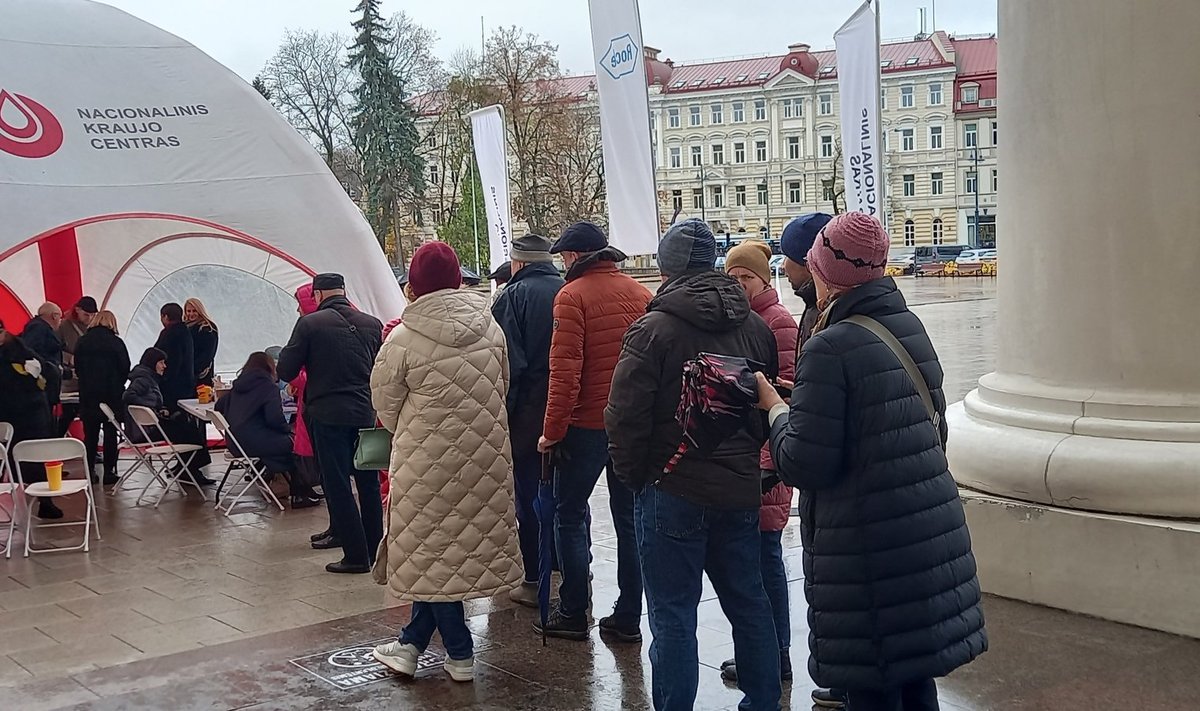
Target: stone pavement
x,y
182,608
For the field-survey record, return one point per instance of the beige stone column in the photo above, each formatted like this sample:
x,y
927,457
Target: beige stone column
x,y
1095,403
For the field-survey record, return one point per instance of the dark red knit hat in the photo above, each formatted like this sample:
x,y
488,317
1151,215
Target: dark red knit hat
x,y
434,267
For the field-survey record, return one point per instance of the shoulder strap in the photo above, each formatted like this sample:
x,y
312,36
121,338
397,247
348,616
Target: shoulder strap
x,y
353,329
906,360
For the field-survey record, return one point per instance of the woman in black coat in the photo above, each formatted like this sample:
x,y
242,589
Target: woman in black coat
x,y
102,366
893,599
254,408
205,339
23,405
145,389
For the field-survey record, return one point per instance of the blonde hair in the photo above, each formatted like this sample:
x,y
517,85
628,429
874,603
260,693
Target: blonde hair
x,y
106,319
199,307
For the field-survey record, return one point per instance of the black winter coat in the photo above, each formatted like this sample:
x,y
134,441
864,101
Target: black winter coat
x,y
102,366
337,344
145,390
204,351
179,382
40,338
525,311
254,409
700,312
23,402
888,571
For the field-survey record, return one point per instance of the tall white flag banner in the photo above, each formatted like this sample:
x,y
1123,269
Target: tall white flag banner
x,y
858,88
491,153
625,125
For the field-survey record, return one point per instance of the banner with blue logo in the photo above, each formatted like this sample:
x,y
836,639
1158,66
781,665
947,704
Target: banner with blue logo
x,y
625,125
858,89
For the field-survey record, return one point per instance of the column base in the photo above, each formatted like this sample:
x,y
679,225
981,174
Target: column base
x,y
1138,571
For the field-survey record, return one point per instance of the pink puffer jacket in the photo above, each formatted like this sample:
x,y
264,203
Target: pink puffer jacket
x,y
302,444
777,503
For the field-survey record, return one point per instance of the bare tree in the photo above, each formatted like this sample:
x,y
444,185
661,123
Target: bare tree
x,y
412,57
835,185
575,166
309,83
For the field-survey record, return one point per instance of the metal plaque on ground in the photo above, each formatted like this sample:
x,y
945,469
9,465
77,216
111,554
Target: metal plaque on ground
x,y
354,666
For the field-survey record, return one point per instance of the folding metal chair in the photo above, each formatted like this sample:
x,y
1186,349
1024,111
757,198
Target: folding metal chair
x,y
41,451
125,444
162,456
8,488
254,472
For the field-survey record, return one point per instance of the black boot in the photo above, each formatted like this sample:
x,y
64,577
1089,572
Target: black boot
x,y
47,509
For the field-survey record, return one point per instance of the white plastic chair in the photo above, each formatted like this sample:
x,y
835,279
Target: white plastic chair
x,y
254,472
8,487
162,456
124,444
40,451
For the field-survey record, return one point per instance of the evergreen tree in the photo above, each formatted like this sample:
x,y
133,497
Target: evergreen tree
x,y
385,128
459,230
261,87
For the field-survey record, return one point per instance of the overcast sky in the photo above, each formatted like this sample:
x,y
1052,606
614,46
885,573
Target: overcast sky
x,y
242,34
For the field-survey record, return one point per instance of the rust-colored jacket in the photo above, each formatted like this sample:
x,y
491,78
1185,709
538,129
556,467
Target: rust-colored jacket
x,y
591,314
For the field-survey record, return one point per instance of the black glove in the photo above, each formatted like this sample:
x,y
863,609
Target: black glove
x,y
769,481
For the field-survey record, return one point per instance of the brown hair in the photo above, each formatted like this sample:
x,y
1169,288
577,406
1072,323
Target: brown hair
x,y
259,360
106,319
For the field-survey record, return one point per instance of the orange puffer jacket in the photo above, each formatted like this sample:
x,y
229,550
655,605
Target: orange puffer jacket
x,y
591,315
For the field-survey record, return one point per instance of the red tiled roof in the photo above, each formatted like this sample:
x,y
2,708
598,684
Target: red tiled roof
x,y
736,72
976,56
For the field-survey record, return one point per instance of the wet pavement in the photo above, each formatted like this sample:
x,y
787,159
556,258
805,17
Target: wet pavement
x,y
182,608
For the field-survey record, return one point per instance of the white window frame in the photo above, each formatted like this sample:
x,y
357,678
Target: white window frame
x,y
995,132
971,184
760,152
937,138
910,233
695,115
676,159
908,140
970,135
939,231
697,159
716,114
995,180
697,198
795,192
826,104
936,98
673,118
970,94
434,174
739,152
763,192
793,147
739,195
826,146
739,112
677,199
883,98
718,196
908,96
760,109
937,183
718,154
909,185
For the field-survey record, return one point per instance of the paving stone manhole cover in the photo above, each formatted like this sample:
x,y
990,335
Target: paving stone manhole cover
x,y
354,666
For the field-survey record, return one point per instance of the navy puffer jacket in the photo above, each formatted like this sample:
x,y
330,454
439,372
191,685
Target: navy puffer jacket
x,y
888,569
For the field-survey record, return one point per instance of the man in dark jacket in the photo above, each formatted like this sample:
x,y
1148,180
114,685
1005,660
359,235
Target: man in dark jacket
x,y
179,383
797,239
337,345
703,516
525,310
74,325
23,405
893,600
41,337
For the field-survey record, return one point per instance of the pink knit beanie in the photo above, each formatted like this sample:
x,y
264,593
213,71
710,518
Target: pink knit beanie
x,y
850,251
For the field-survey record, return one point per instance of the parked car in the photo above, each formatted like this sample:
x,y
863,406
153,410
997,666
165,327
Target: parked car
x,y
934,258
777,264
901,260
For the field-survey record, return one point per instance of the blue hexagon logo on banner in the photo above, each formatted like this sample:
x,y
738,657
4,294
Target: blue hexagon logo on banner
x,y
621,57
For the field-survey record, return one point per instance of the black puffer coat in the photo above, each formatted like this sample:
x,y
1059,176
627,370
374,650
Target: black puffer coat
x,y
702,312
102,365
888,569
254,409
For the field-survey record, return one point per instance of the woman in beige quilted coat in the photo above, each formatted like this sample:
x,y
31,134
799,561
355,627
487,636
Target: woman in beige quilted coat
x,y
439,385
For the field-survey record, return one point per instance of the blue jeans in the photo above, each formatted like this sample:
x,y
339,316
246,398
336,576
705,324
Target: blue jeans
x,y
628,610
581,458
449,619
680,541
359,532
775,582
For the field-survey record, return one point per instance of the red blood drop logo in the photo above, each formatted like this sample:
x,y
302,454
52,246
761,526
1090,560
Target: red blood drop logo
x,y
27,129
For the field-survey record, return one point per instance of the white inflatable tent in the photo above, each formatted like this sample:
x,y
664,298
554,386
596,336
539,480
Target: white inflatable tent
x,y
128,155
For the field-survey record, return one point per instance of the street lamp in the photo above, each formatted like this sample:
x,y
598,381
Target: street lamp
x,y
767,189
975,153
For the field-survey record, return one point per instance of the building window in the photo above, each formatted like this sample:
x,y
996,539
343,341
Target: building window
x,y
673,118
795,194
760,109
676,200
433,140
739,112
935,94
760,151
793,144
676,159
935,138
697,156
718,196
826,104
936,184
739,195
828,191
792,108
995,180
910,233
433,174
718,152
972,184
694,119
971,135
995,132
910,186
970,95
938,235
739,153
883,99
697,199
763,195
826,146
907,97
908,139
717,113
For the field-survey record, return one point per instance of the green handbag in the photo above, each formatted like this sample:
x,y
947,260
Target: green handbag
x,y
374,450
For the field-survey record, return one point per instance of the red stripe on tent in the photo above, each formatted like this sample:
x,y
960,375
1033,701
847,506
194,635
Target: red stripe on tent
x,y
13,312
61,275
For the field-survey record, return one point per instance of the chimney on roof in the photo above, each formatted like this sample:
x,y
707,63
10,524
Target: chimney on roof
x,y
670,62
799,47
650,52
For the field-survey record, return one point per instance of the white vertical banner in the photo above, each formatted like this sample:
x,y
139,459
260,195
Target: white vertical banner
x,y
858,89
491,154
625,125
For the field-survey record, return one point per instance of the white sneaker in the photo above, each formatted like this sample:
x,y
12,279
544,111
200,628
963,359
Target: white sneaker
x,y
525,594
461,669
400,658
